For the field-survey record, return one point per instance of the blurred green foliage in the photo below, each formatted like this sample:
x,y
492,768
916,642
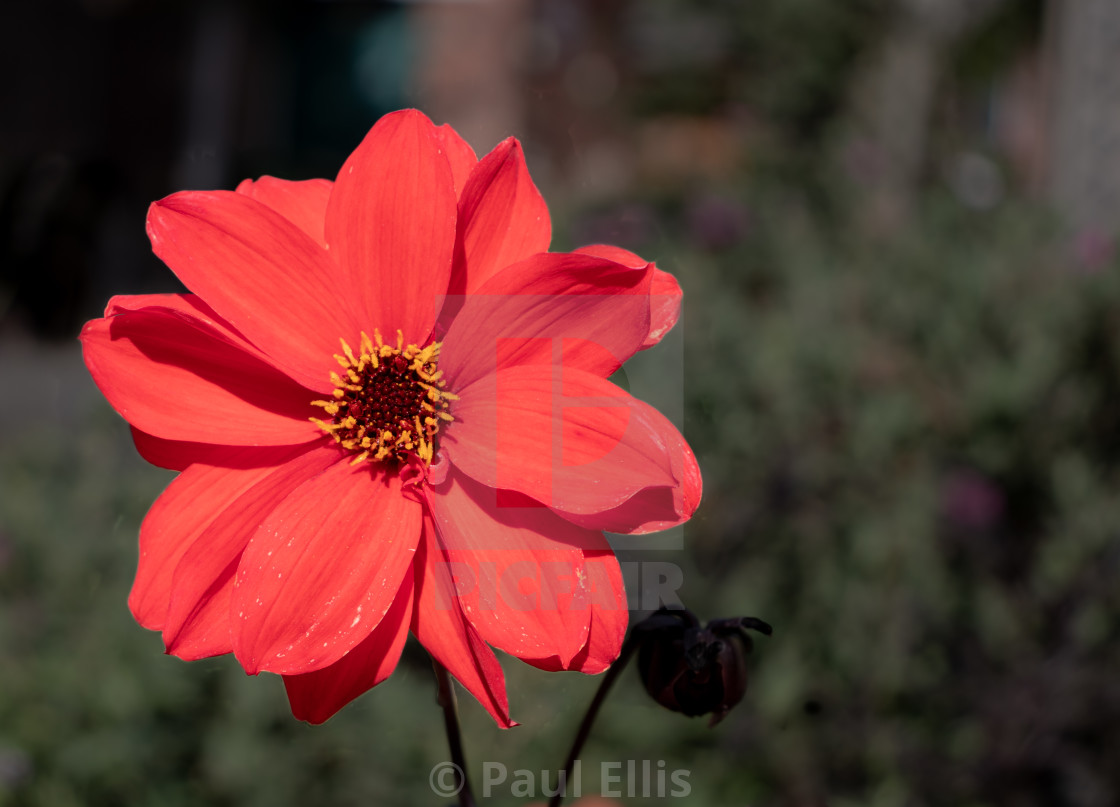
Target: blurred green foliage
x,y
787,62
910,448
910,453
910,456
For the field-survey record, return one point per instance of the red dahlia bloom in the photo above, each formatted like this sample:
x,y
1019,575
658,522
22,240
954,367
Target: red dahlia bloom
x,y
389,407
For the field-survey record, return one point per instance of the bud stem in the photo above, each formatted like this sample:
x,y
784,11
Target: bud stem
x,y
592,711
446,698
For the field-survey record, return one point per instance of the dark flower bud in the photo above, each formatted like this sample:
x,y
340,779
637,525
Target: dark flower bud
x,y
694,670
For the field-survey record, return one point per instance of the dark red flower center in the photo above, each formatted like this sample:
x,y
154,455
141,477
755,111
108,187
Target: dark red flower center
x,y
389,402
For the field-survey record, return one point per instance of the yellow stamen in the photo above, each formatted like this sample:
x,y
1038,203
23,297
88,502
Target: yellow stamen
x,y
389,402
347,351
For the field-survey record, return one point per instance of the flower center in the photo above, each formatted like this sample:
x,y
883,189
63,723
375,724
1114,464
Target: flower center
x,y
388,402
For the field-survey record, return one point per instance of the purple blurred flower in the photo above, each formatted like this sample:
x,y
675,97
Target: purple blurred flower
x,y
717,222
1094,250
970,500
15,766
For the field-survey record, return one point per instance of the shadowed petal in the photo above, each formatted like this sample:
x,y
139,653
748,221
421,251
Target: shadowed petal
x,y
322,569
178,455
192,307
391,225
316,696
173,376
438,623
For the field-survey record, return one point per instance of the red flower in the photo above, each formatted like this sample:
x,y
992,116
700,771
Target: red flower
x,y
363,399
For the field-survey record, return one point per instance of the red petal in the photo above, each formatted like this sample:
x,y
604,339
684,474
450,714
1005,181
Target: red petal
x,y
198,620
570,440
322,569
303,203
665,292
502,548
175,377
654,509
264,275
391,225
609,617
181,514
209,632
459,154
593,311
439,625
316,696
502,218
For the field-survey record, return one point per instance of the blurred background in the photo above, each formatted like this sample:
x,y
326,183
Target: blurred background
x,y
895,224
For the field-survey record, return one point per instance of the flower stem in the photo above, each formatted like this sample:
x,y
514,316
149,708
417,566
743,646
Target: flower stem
x,y
589,718
446,697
